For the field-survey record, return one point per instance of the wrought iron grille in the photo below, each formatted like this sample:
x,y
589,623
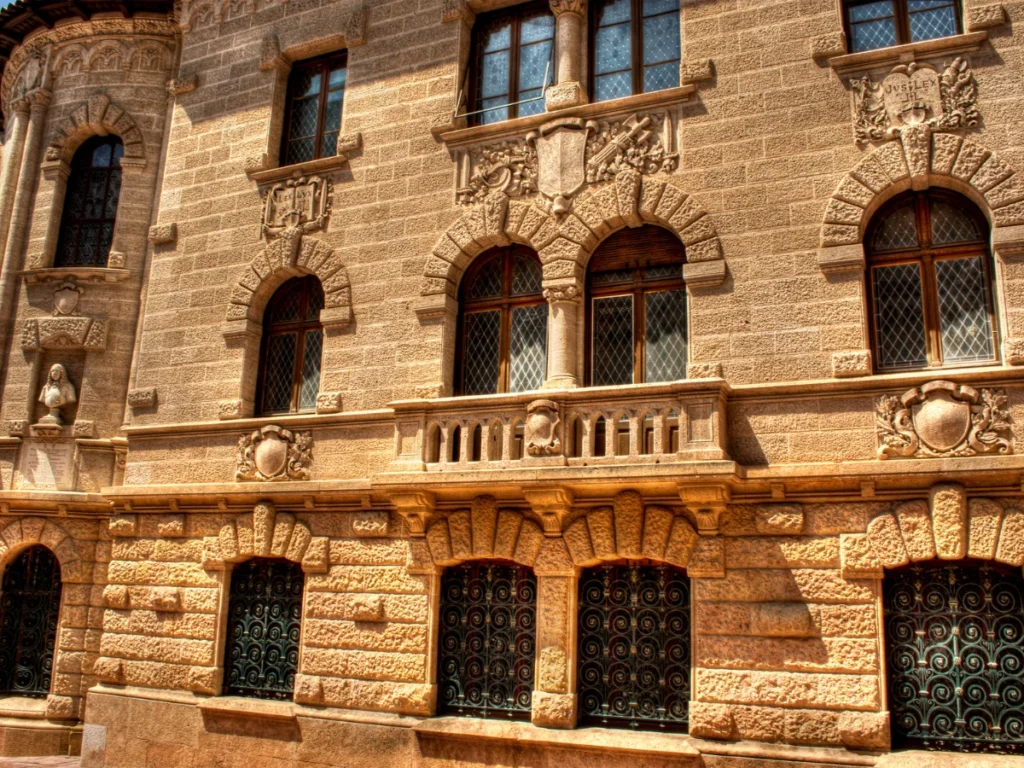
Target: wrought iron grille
x,y
487,640
264,623
29,610
634,647
955,643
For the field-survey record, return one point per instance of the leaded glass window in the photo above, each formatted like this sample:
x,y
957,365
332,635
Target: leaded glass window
x,y
637,318
503,334
292,348
29,609
513,52
264,624
954,640
316,96
874,24
487,642
634,647
634,47
90,204
930,281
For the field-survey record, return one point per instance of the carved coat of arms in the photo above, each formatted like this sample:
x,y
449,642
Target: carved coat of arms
x,y
943,419
561,152
274,453
302,202
915,94
542,429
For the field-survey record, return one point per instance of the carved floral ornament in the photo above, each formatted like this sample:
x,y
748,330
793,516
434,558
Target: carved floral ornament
x,y
943,419
915,94
272,453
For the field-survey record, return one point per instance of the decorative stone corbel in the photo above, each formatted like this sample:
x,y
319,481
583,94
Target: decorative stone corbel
x,y
985,17
696,71
552,505
328,402
182,85
707,503
851,363
271,58
163,234
1008,242
842,258
142,398
416,507
827,46
704,371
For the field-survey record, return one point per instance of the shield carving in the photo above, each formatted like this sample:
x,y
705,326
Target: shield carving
x,y
271,454
942,421
65,299
561,153
909,87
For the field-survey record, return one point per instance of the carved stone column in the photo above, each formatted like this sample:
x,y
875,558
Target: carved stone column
x,y
570,26
18,126
565,300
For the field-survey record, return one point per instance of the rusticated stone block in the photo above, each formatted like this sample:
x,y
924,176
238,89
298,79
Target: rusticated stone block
x,y
553,558
553,664
949,520
308,690
985,17
460,529
317,559
707,561
984,519
1011,539
171,526
205,680
577,538
601,523
657,527
696,70
782,620
163,234
1013,351
123,525
369,608
212,558
857,557
916,527
629,522
779,519
704,371
142,398
440,543
509,524
711,721
789,689
484,518
851,363
115,596
109,670
370,524
61,707
864,730
887,541
554,710
531,537
681,542
826,46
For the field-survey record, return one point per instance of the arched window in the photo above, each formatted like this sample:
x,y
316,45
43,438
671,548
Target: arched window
x,y
503,334
487,640
637,309
264,624
955,647
930,277
634,647
90,204
29,609
292,347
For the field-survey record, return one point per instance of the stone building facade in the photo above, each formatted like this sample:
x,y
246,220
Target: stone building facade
x,y
453,382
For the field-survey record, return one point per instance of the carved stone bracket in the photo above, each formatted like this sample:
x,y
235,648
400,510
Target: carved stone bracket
x,y
142,398
706,503
943,419
416,507
553,505
182,85
274,453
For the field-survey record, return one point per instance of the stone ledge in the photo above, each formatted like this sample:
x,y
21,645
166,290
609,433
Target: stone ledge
x,y
851,63
82,274
346,143
236,706
21,707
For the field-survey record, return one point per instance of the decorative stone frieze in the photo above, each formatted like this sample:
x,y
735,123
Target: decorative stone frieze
x,y
64,333
274,453
349,27
942,419
915,94
643,142
509,167
985,16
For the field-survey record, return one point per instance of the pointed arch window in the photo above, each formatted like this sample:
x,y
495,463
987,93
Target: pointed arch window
x,y
292,347
90,204
264,626
931,283
503,324
636,309
29,612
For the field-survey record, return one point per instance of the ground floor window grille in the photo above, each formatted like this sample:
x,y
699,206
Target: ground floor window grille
x,y
488,639
264,624
955,644
634,647
29,608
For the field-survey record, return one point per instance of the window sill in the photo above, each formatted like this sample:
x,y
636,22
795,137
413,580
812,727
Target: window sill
x,y
346,144
599,109
81,274
237,706
854,63
23,707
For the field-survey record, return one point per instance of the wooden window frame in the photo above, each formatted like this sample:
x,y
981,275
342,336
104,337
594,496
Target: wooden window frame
x,y
324,64
515,15
505,304
78,167
639,287
300,327
636,45
901,17
925,255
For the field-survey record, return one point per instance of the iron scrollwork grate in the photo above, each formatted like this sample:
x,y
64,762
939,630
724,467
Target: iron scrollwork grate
x,y
263,629
488,639
955,637
29,612
634,644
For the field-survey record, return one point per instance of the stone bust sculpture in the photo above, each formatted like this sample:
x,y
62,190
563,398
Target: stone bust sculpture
x,y
57,391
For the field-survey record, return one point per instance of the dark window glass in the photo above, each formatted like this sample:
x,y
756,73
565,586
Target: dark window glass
x,y
503,328
637,309
880,23
513,49
634,47
487,640
292,348
90,204
316,95
954,647
29,608
930,283
264,624
634,647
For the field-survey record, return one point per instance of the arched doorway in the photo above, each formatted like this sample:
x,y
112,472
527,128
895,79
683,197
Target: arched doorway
x,y
29,611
